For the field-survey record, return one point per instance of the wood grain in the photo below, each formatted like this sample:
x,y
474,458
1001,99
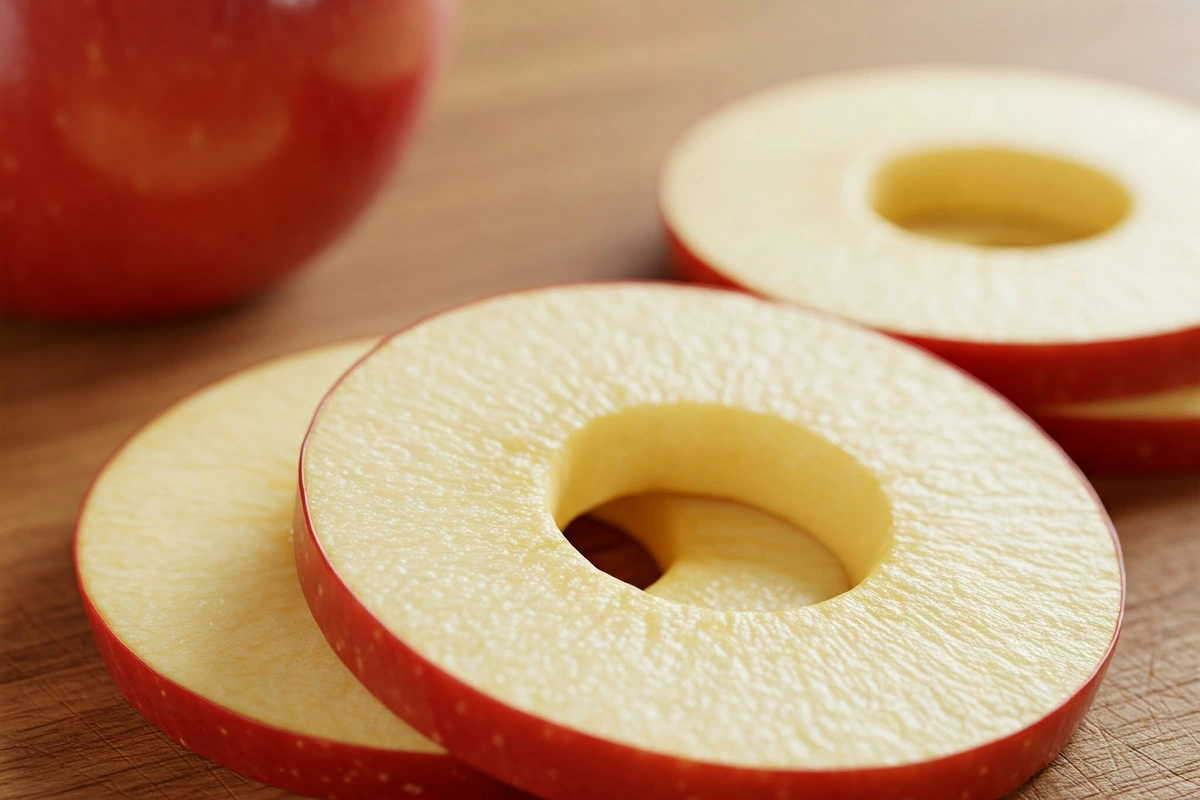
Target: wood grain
x,y
537,165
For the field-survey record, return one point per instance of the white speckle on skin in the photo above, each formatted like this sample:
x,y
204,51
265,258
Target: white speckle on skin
x,y
383,777
223,731
983,770
413,789
461,708
497,740
299,744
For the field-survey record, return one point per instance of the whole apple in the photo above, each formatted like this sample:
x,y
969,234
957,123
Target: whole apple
x,y
169,158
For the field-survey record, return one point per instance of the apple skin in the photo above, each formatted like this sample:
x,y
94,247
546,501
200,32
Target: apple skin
x,y
1031,375
1127,446
558,763
166,159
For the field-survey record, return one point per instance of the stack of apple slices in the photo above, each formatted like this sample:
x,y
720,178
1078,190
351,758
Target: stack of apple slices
x,y
1037,230
879,580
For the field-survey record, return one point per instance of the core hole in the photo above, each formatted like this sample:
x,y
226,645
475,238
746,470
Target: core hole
x,y
708,552
993,197
613,551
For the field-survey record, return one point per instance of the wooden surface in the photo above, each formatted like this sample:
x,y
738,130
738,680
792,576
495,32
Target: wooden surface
x,y
537,165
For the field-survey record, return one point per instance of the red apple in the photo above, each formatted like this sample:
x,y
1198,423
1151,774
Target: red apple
x,y
986,581
159,159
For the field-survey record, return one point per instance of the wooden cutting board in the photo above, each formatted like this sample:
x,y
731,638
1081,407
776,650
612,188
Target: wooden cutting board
x,y
537,165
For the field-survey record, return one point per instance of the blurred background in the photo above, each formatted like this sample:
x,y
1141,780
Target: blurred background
x,y
534,163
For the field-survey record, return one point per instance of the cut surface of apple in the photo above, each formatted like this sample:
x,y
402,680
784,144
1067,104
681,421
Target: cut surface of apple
x,y
438,474
1158,432
1001,218
726,556
184,556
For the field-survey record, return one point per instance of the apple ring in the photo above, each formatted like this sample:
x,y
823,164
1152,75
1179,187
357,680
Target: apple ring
x,y
184,555
840,193
439,473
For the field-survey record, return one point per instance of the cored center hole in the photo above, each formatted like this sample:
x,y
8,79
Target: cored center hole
x,y
613,551
994,197
708,552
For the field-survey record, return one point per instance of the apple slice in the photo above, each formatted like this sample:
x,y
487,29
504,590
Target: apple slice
x,y
1158,432
184,557
1037,230
724,555
439,472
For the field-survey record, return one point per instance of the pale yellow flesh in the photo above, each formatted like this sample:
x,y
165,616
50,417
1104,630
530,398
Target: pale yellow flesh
x,y
727,556
440,471
778,193
185,550
1175,404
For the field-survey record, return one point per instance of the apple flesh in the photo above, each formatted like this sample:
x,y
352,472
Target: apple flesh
x,y
1145,434
184,559
998,235
439,472
159,159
